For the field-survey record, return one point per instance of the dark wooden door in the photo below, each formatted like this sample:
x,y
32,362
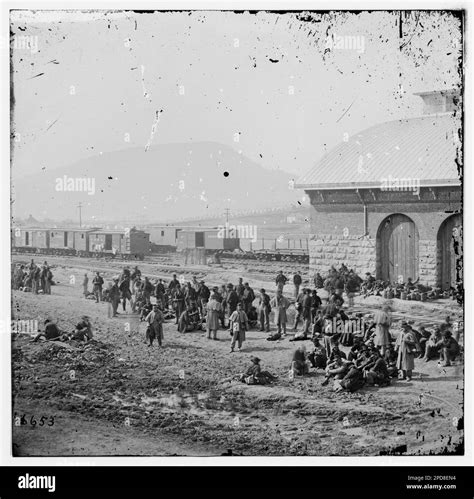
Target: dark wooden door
x,y
398,249
199,239
108,242
450,245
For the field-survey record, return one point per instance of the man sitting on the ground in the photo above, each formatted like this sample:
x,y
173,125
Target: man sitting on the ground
x,y
378,373
83,331
51,332
252,316
318,356
338,368
299,365
254,374
187,321
448,349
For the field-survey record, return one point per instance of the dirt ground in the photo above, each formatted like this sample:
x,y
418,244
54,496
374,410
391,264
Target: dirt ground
x,y
118,396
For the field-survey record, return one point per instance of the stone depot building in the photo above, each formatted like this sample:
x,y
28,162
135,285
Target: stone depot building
x,y
388,199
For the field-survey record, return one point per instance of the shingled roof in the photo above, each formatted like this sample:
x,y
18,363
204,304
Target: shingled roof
x,y
422,148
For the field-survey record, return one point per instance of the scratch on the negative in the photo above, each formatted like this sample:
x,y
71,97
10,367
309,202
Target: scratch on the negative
x,y
153,129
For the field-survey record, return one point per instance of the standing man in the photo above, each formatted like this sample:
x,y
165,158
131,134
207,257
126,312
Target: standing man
x,y
195,284
85,286
174,283
155,321
280,304
35,279
223,300
213,308
297,283
160,293
383,321
203,297
238,325
46,278
248,296
136,273
179,302
239,289
406,347
232,299
264,310
114,296
299,309
352,285
147,290
125,290
280,280
306,306
97,284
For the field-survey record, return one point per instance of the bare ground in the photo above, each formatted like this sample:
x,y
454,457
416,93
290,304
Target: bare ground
x,y
129,399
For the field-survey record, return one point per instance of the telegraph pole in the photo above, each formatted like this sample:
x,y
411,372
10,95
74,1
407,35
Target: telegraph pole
x,y
227,210
80,214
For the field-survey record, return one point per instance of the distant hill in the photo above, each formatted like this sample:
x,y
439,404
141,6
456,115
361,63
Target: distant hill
x,y
169,181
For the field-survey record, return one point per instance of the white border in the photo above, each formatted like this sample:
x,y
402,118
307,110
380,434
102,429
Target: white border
x,y
5,347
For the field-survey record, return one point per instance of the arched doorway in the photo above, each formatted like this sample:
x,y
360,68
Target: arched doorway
x,y
397,249
450,252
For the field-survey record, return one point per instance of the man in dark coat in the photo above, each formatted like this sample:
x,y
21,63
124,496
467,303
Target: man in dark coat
x,y
97,284
297,283
114,296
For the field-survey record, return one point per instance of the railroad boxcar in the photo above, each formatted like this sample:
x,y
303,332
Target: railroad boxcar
x,y
31,239
163,235
210,239
128,243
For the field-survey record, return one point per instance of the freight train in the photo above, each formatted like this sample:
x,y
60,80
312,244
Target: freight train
x,y
215,241
128,244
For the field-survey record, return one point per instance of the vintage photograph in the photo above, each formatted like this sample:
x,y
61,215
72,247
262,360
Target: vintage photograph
x,y
237,233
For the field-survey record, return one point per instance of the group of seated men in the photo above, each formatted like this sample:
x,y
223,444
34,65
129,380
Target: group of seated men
x,y
81,333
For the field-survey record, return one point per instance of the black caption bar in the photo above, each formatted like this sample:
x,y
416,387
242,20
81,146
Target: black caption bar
x,y
92,481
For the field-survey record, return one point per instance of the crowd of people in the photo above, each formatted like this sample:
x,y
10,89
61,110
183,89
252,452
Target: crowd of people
x,y
32,278
375,353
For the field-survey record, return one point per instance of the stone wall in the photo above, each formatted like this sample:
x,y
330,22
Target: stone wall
x,y
427,261
357,252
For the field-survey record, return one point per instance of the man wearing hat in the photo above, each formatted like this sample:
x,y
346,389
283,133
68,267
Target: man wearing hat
x,y
232,299
203,296
155,322
406,346
248,296
115,296
264,310
254,374
280,304
383,320
318,357
238,325
97,284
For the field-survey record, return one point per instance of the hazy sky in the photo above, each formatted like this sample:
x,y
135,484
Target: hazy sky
x,y
211,74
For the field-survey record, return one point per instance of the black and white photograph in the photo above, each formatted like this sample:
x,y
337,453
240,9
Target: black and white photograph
x,y
236,233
